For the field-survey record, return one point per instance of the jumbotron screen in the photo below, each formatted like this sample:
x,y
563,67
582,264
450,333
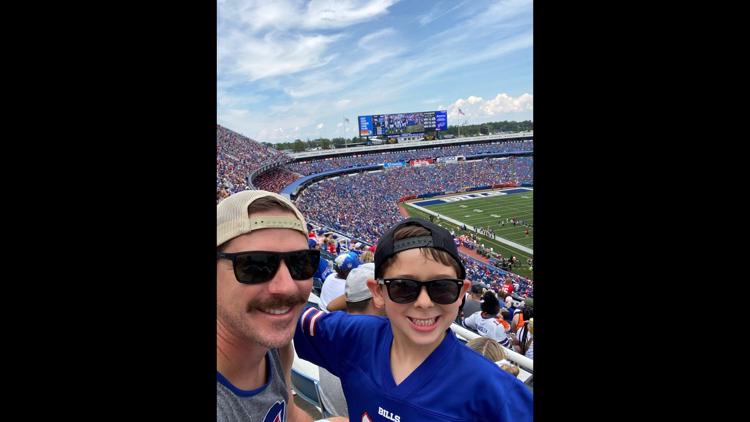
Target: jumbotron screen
x,y
403,123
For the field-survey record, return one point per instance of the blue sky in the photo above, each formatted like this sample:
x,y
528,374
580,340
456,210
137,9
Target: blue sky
x,y
292,69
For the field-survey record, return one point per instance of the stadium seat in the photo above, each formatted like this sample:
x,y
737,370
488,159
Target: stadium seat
x,y
308,389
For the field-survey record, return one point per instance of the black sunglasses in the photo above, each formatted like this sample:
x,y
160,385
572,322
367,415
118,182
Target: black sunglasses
x,y
256,267
443,291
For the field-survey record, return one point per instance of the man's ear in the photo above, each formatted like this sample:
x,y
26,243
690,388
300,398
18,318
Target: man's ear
x,y
377,294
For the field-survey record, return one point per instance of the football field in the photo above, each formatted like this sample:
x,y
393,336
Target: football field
x,y
494,210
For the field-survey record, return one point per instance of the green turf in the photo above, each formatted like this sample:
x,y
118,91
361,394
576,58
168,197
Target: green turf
x,y
518,205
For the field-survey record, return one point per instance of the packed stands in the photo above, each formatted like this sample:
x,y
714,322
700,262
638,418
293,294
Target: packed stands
x,y
237,156
275,179
365,205
307,168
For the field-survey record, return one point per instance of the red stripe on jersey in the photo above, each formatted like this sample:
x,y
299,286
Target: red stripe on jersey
x,y
312,323
304,316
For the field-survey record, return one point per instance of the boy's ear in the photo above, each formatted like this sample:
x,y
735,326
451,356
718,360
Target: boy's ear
x,y
467,285
377,294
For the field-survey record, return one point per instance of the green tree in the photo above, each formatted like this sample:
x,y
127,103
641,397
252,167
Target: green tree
x,y
299,146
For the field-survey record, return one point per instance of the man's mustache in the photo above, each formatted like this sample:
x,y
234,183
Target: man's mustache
x,y
277,302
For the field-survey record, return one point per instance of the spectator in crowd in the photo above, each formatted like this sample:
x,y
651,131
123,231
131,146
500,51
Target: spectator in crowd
x,y
510,307
334,284
523,341
323,271
493,351
367,256
473,301
486,322
525,312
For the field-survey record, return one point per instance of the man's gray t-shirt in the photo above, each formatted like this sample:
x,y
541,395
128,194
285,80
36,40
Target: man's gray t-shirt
x,y
264,404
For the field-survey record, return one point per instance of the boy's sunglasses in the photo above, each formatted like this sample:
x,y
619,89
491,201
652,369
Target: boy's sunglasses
x,y
442,291
260,266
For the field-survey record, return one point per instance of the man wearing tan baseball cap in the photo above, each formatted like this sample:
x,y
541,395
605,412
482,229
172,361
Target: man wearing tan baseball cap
x,y
264,272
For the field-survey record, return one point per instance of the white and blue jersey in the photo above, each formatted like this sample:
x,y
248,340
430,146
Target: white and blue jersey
x,y
453,384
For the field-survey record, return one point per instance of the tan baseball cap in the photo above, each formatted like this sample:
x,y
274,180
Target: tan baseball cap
x,y
232,219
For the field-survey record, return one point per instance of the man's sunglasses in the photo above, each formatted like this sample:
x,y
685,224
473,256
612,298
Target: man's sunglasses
x,y
260,266
442,291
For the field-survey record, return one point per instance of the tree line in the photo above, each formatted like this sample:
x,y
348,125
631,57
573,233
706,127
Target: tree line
x,y
298,145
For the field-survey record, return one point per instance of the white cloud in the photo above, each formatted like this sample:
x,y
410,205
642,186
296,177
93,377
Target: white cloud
x,y
323,14
339,124
259,15
503,103
320,126
343,103
259,39
245,56
477,109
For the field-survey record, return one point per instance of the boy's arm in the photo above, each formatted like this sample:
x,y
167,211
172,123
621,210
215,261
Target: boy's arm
x,y
319,337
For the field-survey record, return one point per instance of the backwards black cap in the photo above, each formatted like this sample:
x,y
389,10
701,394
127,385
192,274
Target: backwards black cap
x,y
439,238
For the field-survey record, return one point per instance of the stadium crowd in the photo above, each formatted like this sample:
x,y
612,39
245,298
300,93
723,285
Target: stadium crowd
x,y
237,156
307,168
275,179
364,205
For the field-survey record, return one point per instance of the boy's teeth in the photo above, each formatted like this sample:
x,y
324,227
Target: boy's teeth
x,y
424,322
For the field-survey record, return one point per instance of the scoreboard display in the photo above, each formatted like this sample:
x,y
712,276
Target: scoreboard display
x,y
403,123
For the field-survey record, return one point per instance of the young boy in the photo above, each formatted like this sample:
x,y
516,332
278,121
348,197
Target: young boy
x,y
409,366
